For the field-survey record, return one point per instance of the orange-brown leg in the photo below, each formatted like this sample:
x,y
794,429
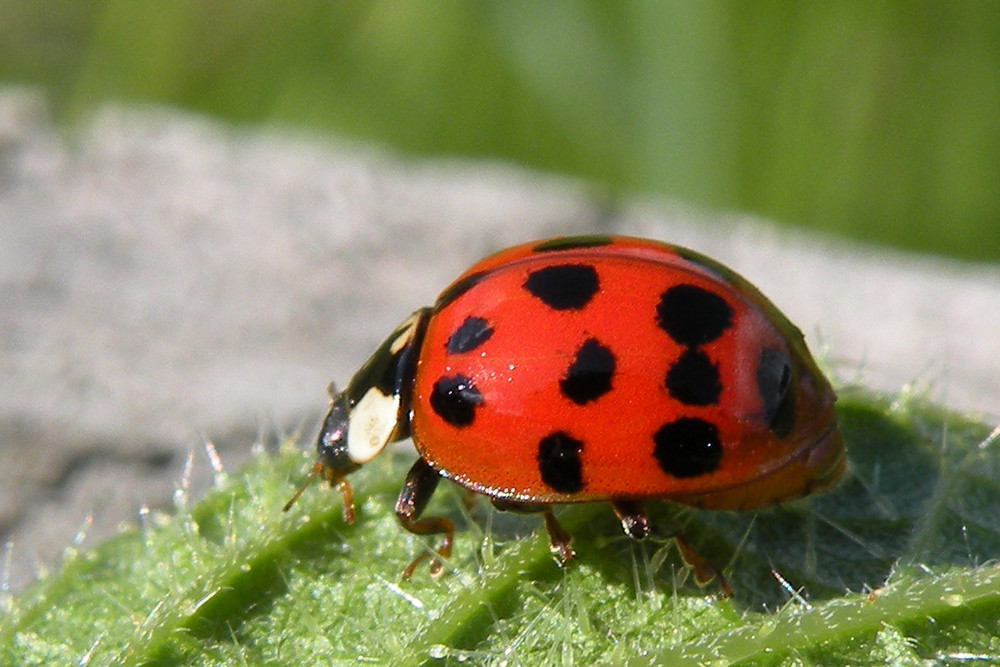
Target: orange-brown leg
x,y
347,497
635,523
420,484
704,571
335,479
560,542
631,513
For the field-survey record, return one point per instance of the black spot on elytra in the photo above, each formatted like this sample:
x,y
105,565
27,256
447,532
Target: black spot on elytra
x,y
694,379
564,286
774,382
589,376
455,399
458,288
692,315
572,242
473,332
559,462
687,447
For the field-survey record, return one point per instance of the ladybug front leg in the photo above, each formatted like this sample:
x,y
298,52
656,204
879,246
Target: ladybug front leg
x,y
420,484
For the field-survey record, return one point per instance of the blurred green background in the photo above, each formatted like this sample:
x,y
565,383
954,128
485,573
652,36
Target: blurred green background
x,y
878,120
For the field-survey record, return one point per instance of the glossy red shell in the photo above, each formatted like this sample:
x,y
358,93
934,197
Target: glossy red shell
x,y
517,370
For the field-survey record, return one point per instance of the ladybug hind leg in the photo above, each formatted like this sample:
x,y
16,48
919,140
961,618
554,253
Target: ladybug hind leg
x,y
635,523
420,484
704,570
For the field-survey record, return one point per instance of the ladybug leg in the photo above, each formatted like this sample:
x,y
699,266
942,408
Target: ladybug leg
x,y
469,500
420,484
635,521
559,540
704,571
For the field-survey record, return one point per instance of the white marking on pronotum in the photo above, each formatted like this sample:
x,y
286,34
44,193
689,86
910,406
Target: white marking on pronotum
x,y
373,420
405,330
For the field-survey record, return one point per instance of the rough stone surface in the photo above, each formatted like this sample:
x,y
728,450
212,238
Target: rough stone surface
x,y
166,280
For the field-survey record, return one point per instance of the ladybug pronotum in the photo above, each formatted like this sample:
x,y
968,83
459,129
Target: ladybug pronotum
x,y
586,369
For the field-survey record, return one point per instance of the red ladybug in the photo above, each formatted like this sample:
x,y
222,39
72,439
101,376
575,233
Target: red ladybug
x,y
591,368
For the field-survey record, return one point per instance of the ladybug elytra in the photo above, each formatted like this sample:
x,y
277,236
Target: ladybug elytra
x,y
585,369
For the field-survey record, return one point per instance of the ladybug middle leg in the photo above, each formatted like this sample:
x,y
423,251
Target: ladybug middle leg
x,y
631,513
559,540
420,484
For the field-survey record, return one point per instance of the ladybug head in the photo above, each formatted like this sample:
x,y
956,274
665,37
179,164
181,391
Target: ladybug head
x,y
372,411
356,430
332,444
374,408
335,461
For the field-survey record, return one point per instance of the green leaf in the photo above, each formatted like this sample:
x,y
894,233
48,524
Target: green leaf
x,y
896,564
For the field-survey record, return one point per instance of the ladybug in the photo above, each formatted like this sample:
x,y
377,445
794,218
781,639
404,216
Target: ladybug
x,y
586,369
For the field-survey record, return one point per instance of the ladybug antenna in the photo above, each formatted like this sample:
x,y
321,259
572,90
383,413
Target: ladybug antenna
x,y
317,469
